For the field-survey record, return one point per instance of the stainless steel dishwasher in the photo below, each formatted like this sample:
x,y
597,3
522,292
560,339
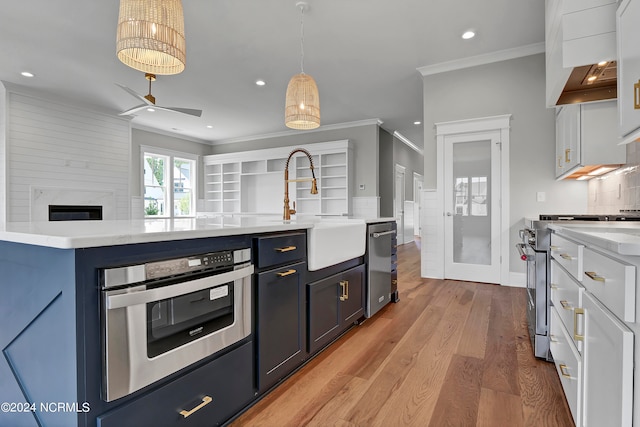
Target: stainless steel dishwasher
x,y
381,272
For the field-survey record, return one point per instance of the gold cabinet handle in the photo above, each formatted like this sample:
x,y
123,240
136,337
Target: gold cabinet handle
x,y
565,305
554,287
567,152
594,276
559,162
563,370
205,401
576,313
566,256
286,249
552,338
344,284
636,96
553,248
394,282
286,273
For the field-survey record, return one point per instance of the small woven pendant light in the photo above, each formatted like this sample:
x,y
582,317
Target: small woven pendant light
x,y
302,108
150,36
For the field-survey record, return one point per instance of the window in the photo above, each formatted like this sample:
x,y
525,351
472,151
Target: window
x,y
169,184
471,200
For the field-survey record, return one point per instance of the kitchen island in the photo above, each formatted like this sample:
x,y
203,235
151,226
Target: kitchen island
x,y
53,334
593,323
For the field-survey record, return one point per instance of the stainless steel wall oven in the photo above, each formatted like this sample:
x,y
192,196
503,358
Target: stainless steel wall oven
x,y
160,317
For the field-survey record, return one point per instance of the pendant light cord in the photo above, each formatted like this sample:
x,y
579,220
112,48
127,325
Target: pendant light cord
x,y
302,39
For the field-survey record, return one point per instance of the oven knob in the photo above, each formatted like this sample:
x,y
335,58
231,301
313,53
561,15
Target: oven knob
x,y
523,257
532,241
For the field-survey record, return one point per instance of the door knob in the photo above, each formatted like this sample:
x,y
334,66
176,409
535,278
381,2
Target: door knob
x,y
449,214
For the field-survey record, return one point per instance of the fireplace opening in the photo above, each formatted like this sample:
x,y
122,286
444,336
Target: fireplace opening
x,y
74,212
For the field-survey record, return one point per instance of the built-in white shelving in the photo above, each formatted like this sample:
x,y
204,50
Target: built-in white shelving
x,y
253,181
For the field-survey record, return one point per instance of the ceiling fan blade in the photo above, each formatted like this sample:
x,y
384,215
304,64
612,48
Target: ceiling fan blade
x,y
133,110
188,111
135,94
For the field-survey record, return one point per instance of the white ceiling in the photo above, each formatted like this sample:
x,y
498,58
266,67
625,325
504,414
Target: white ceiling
x,y
364,55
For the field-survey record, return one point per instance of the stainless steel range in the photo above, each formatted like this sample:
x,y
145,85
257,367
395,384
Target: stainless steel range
x,y
534,250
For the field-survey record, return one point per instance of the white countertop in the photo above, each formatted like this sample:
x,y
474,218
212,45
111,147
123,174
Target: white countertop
x,y
619,237
85,234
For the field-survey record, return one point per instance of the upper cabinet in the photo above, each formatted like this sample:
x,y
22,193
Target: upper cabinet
x,y
579,34
586,138
628,16
253,181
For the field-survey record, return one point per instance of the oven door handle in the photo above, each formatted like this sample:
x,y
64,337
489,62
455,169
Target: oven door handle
x,y
171,291
521,251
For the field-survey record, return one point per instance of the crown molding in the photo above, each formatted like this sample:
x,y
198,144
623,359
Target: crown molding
x,y
408,142
297,132
488,58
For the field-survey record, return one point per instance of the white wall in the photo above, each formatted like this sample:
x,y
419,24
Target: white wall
x,y
53,145
515,87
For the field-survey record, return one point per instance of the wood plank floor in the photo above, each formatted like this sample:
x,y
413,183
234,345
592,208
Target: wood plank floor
x,y
448,354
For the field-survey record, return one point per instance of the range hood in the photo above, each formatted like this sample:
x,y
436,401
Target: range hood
x,y
591,83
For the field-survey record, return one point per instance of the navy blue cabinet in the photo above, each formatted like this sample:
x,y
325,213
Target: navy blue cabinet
x,y
280,306
334,304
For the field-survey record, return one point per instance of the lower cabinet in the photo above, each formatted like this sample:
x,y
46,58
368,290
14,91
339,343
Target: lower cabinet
x,y
608,367
280,323
334,304
207,396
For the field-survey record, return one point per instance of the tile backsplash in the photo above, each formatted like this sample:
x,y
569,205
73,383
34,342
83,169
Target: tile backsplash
x,y
618,190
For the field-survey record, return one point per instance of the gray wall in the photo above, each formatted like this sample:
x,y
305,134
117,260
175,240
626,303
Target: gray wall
x,y
365,151
411,160
141,137
515,87
386,173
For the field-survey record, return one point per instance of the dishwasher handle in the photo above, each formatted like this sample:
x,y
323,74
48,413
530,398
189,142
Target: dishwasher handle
x,y
382,233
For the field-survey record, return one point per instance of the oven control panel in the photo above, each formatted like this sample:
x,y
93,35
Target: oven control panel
x,y
173,267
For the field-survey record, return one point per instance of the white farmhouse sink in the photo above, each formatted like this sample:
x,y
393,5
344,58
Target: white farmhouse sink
x,y
332,241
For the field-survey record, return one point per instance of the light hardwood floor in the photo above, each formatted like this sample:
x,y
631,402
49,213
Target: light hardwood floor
x,y
448,354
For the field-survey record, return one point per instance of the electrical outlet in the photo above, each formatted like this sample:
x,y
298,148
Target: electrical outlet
x,y
361,187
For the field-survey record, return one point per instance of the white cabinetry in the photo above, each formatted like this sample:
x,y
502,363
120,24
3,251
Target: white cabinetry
x,y
592,347
253,181
628,34
586,135
577,33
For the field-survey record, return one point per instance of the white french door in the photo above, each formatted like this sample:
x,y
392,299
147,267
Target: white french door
x,y
472,192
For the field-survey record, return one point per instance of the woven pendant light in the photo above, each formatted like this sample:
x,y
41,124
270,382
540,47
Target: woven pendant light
x,y
150,36
302,107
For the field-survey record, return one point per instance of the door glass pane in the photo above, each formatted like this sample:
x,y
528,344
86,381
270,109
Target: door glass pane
x,y
472,216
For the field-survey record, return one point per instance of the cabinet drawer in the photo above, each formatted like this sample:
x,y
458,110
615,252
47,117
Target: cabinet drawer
x,y
568,254
568,364
280,249
566,296
212,393
613,282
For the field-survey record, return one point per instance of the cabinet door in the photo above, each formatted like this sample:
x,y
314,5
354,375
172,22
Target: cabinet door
x,y
281,323
627,34
567,138
608,367
324,312
352,301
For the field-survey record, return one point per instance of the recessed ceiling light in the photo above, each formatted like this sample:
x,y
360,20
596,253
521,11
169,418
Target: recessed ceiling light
x,y
468,35
417,123
260,82
27,74
592,78
209,127
602,63
150,109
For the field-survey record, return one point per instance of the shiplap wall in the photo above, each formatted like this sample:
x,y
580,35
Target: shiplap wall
x,y
54,145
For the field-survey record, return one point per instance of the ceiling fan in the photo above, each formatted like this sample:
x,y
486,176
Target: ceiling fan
x,y
150,101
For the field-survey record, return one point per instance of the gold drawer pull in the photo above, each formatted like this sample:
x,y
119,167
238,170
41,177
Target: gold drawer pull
x,y
554,287
205,401
553,248
563,370
286,273
567,158
566,256
594,276
287,249
344,284
565,305
552,338
636,96
576,313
